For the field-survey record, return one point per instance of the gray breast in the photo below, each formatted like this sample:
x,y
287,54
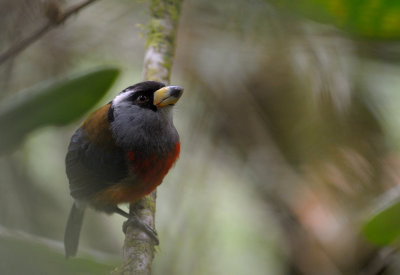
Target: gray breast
x,y
144,130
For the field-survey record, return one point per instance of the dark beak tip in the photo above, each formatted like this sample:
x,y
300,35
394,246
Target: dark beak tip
x,y
176,91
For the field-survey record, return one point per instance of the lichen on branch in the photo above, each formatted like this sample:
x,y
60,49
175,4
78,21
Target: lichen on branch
x,y
161,40
138,251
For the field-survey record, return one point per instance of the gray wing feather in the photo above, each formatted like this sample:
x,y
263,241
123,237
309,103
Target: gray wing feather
x,y
91,169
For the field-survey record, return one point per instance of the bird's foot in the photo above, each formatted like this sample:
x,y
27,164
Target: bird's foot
x,y
135,221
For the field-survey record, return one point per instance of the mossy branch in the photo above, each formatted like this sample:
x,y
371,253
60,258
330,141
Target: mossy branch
x,y
138,251
161,39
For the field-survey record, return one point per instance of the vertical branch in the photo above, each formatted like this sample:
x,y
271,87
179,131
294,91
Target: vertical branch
x,y
138,251
160,45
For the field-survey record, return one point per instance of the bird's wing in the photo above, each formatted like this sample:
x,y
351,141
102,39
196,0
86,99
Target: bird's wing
x,y
93,162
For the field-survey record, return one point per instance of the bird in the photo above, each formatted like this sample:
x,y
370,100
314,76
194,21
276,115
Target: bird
x,y
121,153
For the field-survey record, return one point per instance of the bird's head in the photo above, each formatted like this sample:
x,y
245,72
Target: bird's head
x,y
141,115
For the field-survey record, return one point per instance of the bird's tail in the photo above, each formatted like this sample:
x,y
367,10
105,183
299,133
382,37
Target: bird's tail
x,y
73,229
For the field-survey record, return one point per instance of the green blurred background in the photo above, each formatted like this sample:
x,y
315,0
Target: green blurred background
x,y
290,130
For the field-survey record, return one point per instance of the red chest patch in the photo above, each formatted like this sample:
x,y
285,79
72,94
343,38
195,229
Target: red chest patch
x,y
152,169
149,170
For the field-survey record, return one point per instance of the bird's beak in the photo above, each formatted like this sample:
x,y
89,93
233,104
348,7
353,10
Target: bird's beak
x,y
166,96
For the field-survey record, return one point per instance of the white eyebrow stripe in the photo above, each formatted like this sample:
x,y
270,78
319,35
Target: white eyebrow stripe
x,y
122,96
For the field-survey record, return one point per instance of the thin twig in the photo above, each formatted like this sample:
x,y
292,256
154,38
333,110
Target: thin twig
x,y
51,23
49,244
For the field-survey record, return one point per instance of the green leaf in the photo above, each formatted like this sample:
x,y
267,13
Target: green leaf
x,y
377,19
52,103
383,227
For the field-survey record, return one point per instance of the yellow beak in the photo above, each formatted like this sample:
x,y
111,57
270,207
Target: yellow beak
x,y
166,96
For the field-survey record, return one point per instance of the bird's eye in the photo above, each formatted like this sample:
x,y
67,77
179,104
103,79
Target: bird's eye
x,y
142,99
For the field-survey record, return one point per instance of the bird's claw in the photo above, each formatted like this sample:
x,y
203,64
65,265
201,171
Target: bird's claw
x,y
135,221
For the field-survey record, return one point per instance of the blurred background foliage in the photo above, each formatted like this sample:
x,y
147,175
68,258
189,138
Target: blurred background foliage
x,y
290,136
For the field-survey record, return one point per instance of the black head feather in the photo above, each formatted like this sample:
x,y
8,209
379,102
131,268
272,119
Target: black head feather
x,y
141,94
